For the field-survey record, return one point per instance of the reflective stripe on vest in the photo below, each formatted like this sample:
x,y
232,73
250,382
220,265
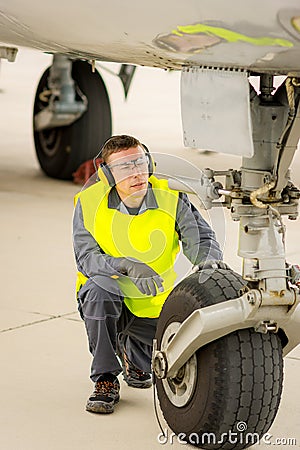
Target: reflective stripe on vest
x,y
149,237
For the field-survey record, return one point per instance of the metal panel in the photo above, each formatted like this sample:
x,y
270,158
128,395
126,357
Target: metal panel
x,y
215,110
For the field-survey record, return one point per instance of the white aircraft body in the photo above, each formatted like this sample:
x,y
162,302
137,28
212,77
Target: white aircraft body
x,y
218,366
257,35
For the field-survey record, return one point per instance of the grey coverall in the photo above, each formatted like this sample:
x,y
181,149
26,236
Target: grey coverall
x,y
100,301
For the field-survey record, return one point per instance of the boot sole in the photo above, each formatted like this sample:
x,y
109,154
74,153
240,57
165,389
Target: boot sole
x,y
138,384
101,407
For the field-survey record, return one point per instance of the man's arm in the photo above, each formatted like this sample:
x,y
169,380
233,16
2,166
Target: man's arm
x,y
92,261
198,239
90,258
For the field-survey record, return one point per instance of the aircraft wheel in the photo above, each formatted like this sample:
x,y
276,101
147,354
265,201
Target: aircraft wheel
x,y
231,385
61,150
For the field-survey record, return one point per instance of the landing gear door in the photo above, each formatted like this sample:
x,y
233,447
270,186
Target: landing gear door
x,y
215,110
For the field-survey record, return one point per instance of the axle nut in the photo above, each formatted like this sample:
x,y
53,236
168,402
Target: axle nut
x,y
160,365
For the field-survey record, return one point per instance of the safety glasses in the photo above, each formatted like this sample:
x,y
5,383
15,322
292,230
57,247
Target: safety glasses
x,y
128,166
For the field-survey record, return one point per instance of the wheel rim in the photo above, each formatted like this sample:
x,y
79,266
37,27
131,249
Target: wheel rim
x,y
179,389
50,141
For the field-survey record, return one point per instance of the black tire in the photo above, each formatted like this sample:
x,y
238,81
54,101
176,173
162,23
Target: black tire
x,y
237,380
61,150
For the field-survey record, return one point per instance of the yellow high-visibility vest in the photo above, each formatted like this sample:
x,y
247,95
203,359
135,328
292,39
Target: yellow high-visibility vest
x,y
149,237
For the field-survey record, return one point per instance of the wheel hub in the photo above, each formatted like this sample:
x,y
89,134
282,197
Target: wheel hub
x,y
160,365
180,388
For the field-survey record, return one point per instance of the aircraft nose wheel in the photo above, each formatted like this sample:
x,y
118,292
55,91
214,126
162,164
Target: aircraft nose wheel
x,y
180,388
234,380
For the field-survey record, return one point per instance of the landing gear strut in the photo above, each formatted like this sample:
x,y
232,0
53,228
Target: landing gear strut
x,y
72,116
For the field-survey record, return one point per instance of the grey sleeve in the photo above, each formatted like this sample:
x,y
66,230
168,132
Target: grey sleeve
x,y
198,239
90,258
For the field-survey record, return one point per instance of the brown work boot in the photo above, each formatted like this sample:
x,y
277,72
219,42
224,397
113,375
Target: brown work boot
x,y
105,396
133,376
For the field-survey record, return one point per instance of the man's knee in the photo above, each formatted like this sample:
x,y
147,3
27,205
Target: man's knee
x,y
99,299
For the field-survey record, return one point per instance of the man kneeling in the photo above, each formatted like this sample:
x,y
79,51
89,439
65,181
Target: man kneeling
x,y
126,233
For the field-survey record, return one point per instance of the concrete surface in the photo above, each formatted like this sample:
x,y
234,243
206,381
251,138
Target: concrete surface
x,y
44,354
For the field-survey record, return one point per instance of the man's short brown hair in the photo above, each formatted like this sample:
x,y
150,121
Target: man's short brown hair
x,y
117,143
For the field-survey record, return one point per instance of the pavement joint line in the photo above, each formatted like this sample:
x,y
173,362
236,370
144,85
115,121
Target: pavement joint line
x,y
294,357
24,325
74,320
52,315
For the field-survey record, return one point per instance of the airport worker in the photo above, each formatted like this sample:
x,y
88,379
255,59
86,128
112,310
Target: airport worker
x,y
126,233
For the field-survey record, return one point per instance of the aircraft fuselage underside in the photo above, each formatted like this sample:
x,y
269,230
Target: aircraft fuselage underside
x,y
258,36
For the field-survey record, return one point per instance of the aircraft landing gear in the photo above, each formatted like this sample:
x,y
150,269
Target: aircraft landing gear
x,y
72,116
231,383
221,337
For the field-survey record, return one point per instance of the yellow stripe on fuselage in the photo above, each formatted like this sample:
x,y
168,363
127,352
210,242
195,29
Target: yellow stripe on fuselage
x,y
230,36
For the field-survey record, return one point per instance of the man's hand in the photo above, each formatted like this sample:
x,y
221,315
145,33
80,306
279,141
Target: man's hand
x,y
145,278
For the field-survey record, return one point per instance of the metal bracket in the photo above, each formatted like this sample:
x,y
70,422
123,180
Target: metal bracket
x,y
290,136
126,74
206,188
8,53
216,99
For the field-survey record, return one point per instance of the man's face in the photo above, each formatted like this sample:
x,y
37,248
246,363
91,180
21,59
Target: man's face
x,y
130,170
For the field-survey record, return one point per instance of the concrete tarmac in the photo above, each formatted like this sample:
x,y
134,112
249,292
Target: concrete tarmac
x,y
44,354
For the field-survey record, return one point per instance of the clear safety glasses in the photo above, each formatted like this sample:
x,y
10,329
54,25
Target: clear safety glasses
x,y
127,167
